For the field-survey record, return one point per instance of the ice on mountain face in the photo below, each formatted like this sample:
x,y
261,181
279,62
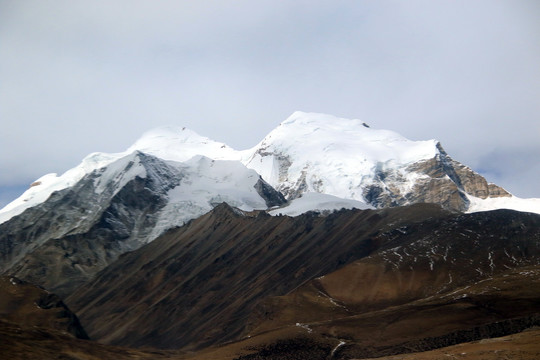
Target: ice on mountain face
x,y
206,183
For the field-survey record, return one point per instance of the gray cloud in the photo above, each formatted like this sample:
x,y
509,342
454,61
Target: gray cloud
x,y
78,77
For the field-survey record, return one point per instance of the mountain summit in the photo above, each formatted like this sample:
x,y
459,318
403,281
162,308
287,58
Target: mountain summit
x,y
318,153
81,228
347,158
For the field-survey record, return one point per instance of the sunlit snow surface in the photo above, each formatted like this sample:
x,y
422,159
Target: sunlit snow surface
x,y
334,156
512,203
181,144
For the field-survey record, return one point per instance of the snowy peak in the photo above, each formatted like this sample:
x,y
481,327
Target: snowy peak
x,y
326,134
313,153
322,153
181,144
119,207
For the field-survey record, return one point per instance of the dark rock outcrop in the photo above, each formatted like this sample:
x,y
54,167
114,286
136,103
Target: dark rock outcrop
x,y
30,306
64,241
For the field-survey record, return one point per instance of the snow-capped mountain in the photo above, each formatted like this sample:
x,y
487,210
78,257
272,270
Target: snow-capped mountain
x,y
318,153
348,159
178,145
88,219
321,153
65,229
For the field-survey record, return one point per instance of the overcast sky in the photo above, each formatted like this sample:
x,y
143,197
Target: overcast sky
x,y
83,76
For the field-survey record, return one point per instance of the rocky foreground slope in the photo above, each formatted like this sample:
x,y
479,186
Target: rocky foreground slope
x,y
351,285
345,277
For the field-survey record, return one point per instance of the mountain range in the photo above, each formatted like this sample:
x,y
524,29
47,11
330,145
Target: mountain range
x,y
324,234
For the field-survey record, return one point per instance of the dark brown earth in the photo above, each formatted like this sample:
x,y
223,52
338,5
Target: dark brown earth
x,y
40,343
503,305
197,285
415,282
227,276
30,306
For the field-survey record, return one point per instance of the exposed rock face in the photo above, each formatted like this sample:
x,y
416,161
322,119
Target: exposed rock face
x,y
176,291
439,180
271,196
80,230
64,241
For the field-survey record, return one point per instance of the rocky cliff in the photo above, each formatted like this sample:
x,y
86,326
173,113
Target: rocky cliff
x,y
79,230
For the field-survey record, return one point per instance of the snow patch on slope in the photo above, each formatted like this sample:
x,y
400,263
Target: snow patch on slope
x,y
318,202
205,184
513,203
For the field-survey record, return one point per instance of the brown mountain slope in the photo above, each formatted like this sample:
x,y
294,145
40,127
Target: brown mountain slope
x,y
498,306
439,283
197,285
521,346
31,306
422,260
204,284
524,345
36,324
41,343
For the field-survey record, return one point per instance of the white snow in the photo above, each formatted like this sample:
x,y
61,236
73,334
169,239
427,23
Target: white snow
x,y
305,326
167,143
181,144
513,203
337,156
341,343
319,202
206,183
115,172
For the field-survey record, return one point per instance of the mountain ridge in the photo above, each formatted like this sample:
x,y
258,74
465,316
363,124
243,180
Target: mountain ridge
x,y
311,152
79,230
180,242
229,276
